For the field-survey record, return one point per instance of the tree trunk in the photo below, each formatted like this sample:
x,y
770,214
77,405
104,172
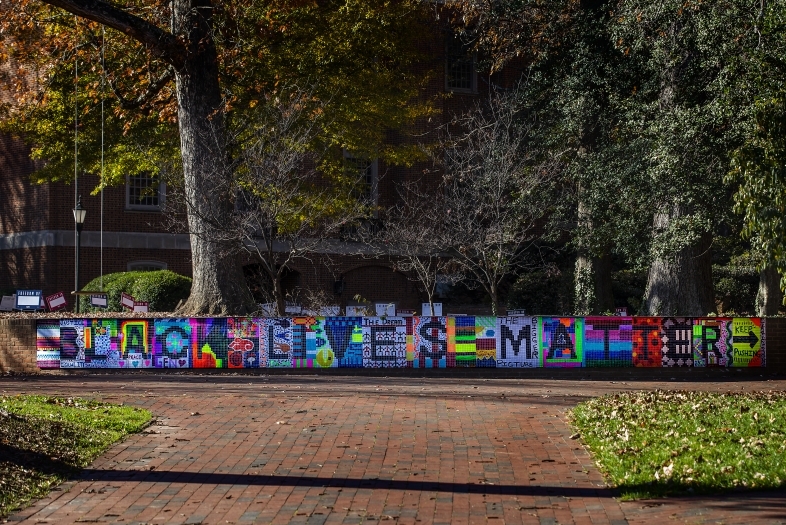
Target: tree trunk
x,y
278,295
592,280
770,296
593,292
681,283
219,287
494,293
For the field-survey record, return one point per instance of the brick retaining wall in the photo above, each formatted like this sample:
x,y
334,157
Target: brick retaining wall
x,y
776,343
18,346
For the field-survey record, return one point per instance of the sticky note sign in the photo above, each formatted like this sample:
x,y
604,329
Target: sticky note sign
x,y
140,306
56,301
127,301
99,300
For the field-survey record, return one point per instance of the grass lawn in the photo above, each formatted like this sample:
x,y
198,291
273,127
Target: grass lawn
x,y
44,440
651,444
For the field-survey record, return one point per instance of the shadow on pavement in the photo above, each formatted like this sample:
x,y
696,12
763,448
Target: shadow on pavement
x,y
342,483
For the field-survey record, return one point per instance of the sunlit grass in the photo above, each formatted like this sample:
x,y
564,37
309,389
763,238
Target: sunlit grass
x,y
44,440
668,443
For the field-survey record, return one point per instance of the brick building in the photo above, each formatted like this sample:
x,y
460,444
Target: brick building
x,y
37,231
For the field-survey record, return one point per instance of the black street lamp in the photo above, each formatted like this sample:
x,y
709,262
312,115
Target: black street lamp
x,y
79,219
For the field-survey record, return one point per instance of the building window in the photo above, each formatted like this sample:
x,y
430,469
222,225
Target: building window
x,y
146,266
144,192
460,71
365,172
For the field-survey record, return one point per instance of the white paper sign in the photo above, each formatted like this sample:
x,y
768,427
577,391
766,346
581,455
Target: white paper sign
x,y
330,311
56,301
357,311
385,309
99,300
140,306
28,300
127,301
437,310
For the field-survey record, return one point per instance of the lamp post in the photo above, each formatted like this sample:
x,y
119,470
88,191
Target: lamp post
x,y
79,219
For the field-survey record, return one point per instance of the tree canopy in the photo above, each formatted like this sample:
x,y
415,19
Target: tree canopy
x,y
358,55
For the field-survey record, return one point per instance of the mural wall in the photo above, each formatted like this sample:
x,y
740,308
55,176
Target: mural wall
x,y
400,342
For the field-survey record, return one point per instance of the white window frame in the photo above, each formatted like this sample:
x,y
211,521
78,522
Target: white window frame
x,y
145,207
451,40
145,266
374,166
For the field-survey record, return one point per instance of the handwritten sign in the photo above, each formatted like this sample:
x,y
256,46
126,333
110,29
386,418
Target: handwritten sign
x,y
140,306
56,302
28,300
437,309
99,300
385,309
127,301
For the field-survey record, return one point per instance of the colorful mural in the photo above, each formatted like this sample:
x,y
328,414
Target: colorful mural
x,y
47,344
646,342
135,343
748,342
561,341
399,342
428,346
516,344
89,343
608,341
384,342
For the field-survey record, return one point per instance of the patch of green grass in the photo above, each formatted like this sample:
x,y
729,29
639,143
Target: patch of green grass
x,y
651,444
45,440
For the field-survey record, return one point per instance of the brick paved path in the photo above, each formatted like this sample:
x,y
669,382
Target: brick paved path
x,y
288,449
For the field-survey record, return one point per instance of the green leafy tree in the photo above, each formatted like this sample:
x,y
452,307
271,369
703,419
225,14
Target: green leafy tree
x,y
759,165
178,76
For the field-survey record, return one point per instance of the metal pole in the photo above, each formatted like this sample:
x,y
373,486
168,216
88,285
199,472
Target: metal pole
x,y
76,277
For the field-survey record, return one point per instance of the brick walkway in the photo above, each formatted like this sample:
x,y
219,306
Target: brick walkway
x,y
295,449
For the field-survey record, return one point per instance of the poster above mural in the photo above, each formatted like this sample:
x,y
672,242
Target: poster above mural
x,y
401,342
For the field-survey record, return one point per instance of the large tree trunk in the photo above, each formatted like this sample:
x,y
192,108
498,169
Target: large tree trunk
x,y
592,277
770,296
681,283
593,292
219,287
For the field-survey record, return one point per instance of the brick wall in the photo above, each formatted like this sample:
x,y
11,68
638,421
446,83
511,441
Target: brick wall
x,y
776,343
18,346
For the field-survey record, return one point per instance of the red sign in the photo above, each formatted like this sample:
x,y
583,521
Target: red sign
x,y
140,306
56,302
127,301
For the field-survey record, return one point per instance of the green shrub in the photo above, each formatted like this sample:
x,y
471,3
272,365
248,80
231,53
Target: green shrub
x,y
162,289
